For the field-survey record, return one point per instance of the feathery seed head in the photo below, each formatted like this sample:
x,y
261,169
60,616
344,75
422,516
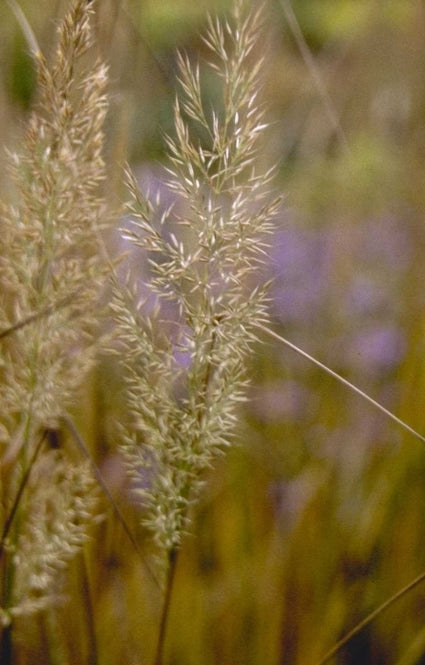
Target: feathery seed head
x,y
51,275
49,230
205,260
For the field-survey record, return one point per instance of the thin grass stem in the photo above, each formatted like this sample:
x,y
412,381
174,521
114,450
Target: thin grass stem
x,y
6,641
26,28
46,311
341,379
314,72
371,617
92,657
24,481
82,446
172,564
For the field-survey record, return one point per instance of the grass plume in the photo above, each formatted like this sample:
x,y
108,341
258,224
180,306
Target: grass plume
x,y
51,276
49,236
204,264
185,371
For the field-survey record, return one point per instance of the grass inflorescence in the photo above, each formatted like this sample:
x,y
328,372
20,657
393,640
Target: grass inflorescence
x,y
51,275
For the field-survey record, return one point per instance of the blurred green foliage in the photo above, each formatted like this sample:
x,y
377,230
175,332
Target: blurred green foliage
x,y
318,516
21,80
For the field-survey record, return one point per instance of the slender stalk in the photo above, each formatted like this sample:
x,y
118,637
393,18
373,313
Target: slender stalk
x,y
344,382
314,72
371,617
82,446
25,27
172,564
92,657
6,642
46,311
25,478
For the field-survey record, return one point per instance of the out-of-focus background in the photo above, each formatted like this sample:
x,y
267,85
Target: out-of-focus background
x,y
317,515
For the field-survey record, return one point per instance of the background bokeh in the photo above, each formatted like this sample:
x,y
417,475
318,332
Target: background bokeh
x,y
317,515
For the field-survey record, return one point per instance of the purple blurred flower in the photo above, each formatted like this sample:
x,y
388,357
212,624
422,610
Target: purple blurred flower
x,y
379,347
365,296
384,243
298,267
280,400
343,283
